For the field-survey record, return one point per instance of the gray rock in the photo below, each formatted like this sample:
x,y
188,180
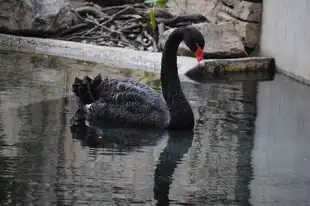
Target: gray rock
x,y
246,11
222,41
208,8
245,15
34,15
230,3
249,32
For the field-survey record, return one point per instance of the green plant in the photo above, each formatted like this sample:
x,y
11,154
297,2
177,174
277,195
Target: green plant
x,y
155,3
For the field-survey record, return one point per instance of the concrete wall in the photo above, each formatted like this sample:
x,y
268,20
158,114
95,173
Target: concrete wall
x,y
281,152
285,35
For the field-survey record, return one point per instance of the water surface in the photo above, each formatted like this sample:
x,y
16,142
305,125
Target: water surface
x,y
249,146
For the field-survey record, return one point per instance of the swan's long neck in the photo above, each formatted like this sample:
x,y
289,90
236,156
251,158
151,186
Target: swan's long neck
x,y
181,114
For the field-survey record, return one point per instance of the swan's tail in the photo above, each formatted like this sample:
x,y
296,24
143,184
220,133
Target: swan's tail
x,y
83,89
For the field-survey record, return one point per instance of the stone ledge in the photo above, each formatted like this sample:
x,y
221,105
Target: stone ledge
x,y
112,56
261,68
132,59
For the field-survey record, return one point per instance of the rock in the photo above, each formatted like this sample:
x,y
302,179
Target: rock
x,y
246,15
230,3
222,41
261,1
34,15
208,8
249,32
247,11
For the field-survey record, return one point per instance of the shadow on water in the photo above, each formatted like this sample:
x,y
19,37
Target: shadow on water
x,y
43,161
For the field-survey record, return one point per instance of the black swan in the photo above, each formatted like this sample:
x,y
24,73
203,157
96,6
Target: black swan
x,y
132,103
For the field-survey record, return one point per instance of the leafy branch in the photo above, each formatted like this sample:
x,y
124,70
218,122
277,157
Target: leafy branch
x,y
155,3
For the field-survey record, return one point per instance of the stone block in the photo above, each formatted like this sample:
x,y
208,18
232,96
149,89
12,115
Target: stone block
x,y
222,40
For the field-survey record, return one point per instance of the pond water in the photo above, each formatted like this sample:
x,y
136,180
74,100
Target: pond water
x,y
249,147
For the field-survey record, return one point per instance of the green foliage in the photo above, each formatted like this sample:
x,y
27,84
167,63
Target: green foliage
x,y
154,3
160,3
153,18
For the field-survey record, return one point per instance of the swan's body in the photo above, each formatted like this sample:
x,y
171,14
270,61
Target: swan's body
x,y
130,102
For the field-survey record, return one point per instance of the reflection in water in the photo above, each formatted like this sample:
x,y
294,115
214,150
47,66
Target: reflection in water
x,y
43,162
34,155
116,139
223,143
126,140
178,144
6,170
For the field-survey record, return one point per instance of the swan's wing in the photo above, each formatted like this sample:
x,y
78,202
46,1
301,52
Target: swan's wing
x,y
131,104
128,101
128,113
115,91
137,84
109,84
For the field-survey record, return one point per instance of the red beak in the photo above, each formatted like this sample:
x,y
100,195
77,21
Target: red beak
x,y
199,53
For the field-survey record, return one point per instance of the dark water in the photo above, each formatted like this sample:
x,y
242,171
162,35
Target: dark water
x,y
250,145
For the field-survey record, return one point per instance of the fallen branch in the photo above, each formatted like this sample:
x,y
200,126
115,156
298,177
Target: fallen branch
x,y
122,26
112,18
189,18
90,10
73,29
109,9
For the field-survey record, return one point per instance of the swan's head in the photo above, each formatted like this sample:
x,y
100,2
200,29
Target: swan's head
x,y
195,41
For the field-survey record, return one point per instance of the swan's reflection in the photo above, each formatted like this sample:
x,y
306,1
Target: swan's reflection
x,y
110,136
125,140
178,144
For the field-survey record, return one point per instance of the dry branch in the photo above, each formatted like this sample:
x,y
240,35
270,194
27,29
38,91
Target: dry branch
x,y
122,26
